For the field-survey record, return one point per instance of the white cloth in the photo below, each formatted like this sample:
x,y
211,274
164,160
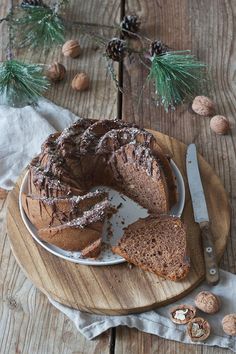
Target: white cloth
x,y
22,131
158,322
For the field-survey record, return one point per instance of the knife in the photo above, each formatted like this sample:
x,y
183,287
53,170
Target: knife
x,y
201,214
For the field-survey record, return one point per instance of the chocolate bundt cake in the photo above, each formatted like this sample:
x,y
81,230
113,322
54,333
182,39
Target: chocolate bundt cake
x,y
88,154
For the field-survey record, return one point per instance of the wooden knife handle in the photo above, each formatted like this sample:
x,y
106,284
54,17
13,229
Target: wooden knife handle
x,y
212,270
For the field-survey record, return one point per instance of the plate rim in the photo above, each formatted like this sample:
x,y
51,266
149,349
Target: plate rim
x,y
88,262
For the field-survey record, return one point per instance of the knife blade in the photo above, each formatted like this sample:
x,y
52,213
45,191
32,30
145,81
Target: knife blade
x,y
201,215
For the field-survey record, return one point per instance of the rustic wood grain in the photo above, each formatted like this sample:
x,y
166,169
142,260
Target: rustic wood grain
x,y
118,289
201,27
130,341
29,324
100,100
207,28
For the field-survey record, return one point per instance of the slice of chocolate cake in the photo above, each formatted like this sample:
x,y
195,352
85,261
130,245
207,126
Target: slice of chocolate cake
x,y
156,244
79,233
93,250
47,212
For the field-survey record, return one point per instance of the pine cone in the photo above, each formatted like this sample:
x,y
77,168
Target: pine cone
x,y
158,48
116,49
26,3
130,23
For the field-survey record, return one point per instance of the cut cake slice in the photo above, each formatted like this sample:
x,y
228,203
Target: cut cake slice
x,y
93,250
156,244
47,212
80,232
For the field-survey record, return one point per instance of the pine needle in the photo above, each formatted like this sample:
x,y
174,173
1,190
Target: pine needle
x,y
20,83
38,26
111,70
177,76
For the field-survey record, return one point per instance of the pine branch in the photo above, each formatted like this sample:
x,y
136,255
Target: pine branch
x,y
20,83
111,70
91,24
38,26
177,76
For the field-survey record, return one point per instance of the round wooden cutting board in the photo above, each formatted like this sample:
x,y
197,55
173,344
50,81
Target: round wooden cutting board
x,y
119,289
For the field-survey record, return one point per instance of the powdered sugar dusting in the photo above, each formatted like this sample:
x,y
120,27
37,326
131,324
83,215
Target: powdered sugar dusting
x,y
97,213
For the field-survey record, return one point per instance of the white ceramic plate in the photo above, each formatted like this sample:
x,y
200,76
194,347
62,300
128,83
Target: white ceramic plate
x,y
128,213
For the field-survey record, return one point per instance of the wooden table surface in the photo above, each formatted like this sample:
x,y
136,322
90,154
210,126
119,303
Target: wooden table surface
x,y
28,323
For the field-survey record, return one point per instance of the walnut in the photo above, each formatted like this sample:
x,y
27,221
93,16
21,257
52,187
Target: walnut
x,y
198,329
203,106
182,314
56,72
71,48
219,124
207,302
229,324
80,82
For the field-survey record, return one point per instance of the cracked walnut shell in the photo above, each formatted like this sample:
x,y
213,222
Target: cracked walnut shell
x,y
182,314
203,106
71,48
80,82
207,302
198,329
56,72
229,324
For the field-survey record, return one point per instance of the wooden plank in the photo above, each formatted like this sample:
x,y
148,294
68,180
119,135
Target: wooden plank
x,y
184,24
129,341
29,324
207,29
100,101
4,6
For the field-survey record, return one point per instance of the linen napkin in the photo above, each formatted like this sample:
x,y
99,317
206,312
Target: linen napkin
x,y
22,131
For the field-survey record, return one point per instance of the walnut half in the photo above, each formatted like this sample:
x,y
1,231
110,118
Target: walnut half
x,y
198,329
182,314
